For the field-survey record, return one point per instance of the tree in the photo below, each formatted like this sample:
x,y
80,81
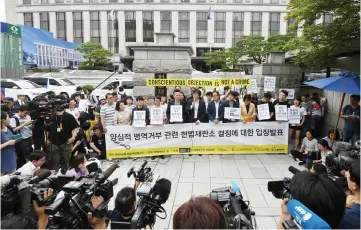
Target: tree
x,y
225,58
319,43
278,43
253,47
94,54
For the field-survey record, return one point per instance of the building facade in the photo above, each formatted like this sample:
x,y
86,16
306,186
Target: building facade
x,y
205,24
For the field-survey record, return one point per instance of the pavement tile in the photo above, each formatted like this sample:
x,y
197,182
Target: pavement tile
x,y
266,223
260,173
201,189
183,194
201,169
187,169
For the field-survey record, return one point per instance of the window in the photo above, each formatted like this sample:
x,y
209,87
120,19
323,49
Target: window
x,y
275,1
27,2
165,1
39,81
61,25
78,1
95,27
183,30
130,27
113,38
148,26
128,0
290,21
44,1
44,21
220,27
166,21
257,1
256,24
185,1
201,1
59,1
237,1
54,82
78,27
28,19
274,23
221,1
113,1
202,27
202,51
238,27
327,19
8,84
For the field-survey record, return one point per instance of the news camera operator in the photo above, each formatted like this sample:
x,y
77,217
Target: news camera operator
x,y
63,130
318,193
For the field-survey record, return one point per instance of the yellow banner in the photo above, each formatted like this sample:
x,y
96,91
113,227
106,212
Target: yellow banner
x,y
210,149
199,82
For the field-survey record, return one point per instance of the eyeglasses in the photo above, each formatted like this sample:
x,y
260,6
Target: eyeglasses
x,y
110,97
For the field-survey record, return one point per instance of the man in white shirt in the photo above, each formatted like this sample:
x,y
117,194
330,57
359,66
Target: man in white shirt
x,y
36,160
19,102
72,110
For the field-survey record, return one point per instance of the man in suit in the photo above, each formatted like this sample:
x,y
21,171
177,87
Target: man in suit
x,y
19,102
196,109
176,101
215,109
232,103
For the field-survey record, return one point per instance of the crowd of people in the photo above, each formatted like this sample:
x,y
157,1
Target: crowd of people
x,y
31,142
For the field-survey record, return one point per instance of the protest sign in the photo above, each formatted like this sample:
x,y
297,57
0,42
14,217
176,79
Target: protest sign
x,y
281,113
188,138
156,116
269,83
294,116
176,113
232,113
291,93
263,112
139,118
252,88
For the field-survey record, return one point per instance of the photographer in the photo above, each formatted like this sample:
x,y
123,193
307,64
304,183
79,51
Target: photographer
x,y
21,123
62,132
318,193
36,160
351,219
200,213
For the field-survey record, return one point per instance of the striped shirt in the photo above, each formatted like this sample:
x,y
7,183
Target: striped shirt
x,y
108,112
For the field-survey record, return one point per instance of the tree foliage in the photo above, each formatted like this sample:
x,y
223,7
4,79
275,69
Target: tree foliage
x,y
319,43
94,54
253,47
225,58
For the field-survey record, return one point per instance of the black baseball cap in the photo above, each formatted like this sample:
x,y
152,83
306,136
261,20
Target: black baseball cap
x,y
23,108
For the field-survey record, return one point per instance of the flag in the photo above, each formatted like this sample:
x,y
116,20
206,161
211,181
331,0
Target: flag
x,y
112,15
209,13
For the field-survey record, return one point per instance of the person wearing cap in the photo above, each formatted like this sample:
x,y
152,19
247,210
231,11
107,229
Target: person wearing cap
x,y
20,101
267,100
22,123
97,142
9,101
63,130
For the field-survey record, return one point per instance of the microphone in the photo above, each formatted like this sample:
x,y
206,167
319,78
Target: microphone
x,y
305,217
41,176
293,170
107,173
235,186
161,190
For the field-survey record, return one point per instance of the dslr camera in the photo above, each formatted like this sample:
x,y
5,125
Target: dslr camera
x,y
344,155
237,211
142,174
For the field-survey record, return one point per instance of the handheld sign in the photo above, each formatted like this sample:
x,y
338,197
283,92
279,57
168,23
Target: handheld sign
x,y
269,83
263,112
156,116
252,88
281,113
291,93
232,113
139,119
176,113
294,116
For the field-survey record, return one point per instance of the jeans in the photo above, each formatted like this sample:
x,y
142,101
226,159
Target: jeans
x,y
349,134
56,151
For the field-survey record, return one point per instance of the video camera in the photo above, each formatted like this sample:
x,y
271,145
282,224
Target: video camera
x,y
19,192
344,155
237,211
143,173
73,215
281,189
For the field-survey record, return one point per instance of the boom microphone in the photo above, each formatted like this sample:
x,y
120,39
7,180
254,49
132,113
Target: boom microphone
x,y
161,190
107,173
305,217
293,170
41,176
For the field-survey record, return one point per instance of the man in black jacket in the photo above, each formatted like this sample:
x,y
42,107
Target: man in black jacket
x,y
196,109
232,103
176,101
140,107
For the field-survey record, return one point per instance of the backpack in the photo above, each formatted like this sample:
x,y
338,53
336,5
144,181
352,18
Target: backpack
x,y
17,122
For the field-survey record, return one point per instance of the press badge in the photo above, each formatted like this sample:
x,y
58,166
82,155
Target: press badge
x,y
58,130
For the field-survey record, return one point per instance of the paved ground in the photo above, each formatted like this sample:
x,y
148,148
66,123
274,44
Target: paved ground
x,y
197,175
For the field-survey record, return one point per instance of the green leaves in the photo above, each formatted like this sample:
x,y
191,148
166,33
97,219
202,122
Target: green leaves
x,y
94,54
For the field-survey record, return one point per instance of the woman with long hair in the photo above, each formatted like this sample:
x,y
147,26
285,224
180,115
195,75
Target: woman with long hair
x,y
77,166
297,128
8,155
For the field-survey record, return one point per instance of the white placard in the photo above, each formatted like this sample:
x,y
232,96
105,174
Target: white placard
x,y
232,113
291,93
294,116
139,118
281,113
176,113
269,84
252,88
156,116
263,112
